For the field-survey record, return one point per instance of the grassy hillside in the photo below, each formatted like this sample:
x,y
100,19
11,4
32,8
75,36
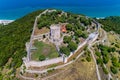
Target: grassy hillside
x,y
13,38
111,23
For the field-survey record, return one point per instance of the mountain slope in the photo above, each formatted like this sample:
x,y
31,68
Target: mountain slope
x,y
13,38
111,23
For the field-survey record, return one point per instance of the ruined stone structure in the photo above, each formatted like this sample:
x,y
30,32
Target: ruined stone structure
x,y
55,32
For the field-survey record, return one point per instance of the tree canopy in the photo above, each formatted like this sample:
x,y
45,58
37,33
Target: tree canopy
x,y
65,50
72,46
111,23
13,38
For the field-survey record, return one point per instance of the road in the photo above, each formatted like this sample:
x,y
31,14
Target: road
x,y
105,36
26,78
89,48
97,70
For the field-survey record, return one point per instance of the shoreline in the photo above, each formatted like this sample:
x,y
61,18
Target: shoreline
x,y
100,17
5,21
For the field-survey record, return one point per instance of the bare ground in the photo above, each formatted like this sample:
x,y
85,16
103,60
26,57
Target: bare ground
x,y
78,71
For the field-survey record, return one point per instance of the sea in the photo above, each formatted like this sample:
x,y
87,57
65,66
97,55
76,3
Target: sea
x,y
15,9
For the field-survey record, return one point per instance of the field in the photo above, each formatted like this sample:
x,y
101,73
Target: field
x,y
48,50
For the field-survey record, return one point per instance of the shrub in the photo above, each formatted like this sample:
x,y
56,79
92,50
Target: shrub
x,y
98,54
65,50
99,61
41,57
105,59
72,46
88,59
51,70
105,70
113,70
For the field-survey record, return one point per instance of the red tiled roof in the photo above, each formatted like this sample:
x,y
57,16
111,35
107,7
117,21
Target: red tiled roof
x,y
63,28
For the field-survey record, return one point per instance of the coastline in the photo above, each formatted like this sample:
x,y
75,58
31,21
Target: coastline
x,y
5,22
100,17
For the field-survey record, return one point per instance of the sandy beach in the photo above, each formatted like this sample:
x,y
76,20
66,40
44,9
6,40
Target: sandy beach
x,y
5,22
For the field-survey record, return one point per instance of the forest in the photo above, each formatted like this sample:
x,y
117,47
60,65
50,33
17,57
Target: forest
x,y
13,38
111,23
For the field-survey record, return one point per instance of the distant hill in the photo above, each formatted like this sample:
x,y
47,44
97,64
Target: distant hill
x,y
111,23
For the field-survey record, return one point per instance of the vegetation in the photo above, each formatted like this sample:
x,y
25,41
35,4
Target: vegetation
x,y
105,50
85,21
113,70
41,57
69,27
105,56
67,39
99,61
98,54
115,62
13,38
65,50
105,70
44,50
51,70
72,46
111,23
80,33
88,59
88,56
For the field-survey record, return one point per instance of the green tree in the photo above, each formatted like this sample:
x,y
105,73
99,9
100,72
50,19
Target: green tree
x,y
99,61
41,57
65,50
78,33
98,54
115,62
113,70
105,70
112,49
85,21
69,27
88,58
67,39
84,35
72,46
111,23
105,59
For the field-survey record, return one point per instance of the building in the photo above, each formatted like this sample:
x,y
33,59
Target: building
x,y
55,32
63,28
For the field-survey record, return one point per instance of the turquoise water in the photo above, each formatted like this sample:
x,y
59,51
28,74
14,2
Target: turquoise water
x,y
14,9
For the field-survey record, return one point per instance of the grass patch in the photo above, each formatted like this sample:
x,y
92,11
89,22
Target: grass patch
x,y
48,50
52,66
